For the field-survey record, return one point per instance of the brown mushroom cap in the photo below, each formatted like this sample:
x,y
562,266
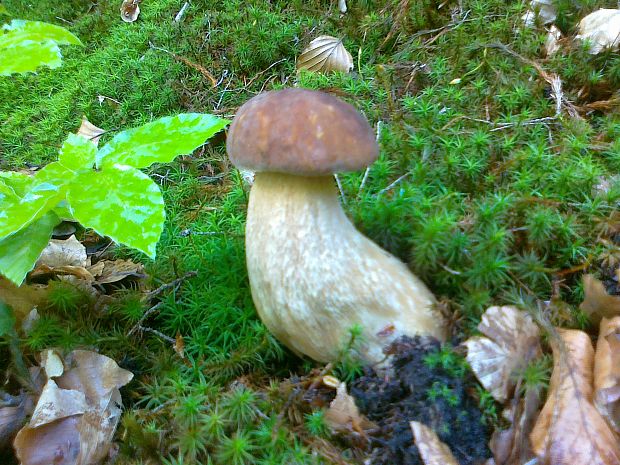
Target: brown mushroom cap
x,y
301,132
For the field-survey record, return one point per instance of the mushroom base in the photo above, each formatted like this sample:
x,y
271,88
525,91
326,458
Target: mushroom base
x,y
314,276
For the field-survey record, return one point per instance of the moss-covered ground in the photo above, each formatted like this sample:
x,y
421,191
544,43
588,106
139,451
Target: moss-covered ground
x,y
488,192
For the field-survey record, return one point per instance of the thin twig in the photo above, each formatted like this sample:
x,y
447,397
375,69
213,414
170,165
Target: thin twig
x,y
146,314
344,199
201,69
158,333
163,287
382,191
181,13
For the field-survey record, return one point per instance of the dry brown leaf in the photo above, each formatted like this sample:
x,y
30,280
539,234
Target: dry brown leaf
x,y
552,41
68,252
343,414
21,299
130,9
512,340
325,54
108,271
51,362
597,303
76,416
179,345
544,10
512,446
607,372
569,430
90,131
432,450
13,414
601,28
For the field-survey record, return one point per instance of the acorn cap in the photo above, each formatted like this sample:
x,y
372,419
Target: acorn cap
x,y
303,132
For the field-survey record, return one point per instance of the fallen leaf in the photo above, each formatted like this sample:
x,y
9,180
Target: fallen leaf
x,y
325,54
597,303
544,10
569,429
343,414
130,9
607,372
601,29
90,131
21,299
179,345
512,340
68,252
512,446
76,416
13,414
552,41
52,363
432,450
108,271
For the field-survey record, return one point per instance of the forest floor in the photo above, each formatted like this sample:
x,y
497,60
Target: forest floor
x,y
494,185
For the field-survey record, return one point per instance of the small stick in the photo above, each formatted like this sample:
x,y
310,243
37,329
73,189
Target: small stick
x,y
158,333
382,191
181,13
344,199
163,287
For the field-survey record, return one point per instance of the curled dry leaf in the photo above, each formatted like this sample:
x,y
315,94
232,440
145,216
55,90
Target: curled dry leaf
x,y
68,252
343,414
76,416
544,10
13,413
325,54
432,450
607,372
552,44
597,303
512,446
90,131
21,299
52,363
569,429
601,28
512,340
111,271
130,9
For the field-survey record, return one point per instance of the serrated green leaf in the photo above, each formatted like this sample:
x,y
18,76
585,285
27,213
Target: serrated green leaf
x,y
7,319
26,45
77,153
19,252
19,182
48,188
28,57
160,141
120,202
19,31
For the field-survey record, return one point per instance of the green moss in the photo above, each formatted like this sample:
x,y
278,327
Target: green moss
x,y
479,187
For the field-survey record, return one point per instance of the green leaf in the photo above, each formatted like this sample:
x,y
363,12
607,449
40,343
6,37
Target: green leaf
x,y
19,31
19,252
160,141
3,10
122,203
77,153
28,57
7,319
26,45
47,190
19,182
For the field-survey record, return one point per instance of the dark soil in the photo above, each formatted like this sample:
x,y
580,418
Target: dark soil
x,y
410,393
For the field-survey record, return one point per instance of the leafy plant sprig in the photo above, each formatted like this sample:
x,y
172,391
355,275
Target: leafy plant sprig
x,y
102,189
27,45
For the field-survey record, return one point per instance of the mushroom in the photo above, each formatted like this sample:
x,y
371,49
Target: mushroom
x,y
313,276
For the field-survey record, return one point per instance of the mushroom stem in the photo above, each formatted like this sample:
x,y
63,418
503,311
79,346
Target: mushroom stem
x,y
314,276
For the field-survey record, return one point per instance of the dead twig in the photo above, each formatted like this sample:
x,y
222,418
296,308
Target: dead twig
x,y
201,69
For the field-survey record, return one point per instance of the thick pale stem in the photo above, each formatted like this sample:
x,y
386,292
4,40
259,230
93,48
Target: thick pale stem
x,y
314,276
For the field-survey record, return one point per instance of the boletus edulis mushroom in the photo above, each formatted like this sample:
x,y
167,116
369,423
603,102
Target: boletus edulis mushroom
x,y
313,276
